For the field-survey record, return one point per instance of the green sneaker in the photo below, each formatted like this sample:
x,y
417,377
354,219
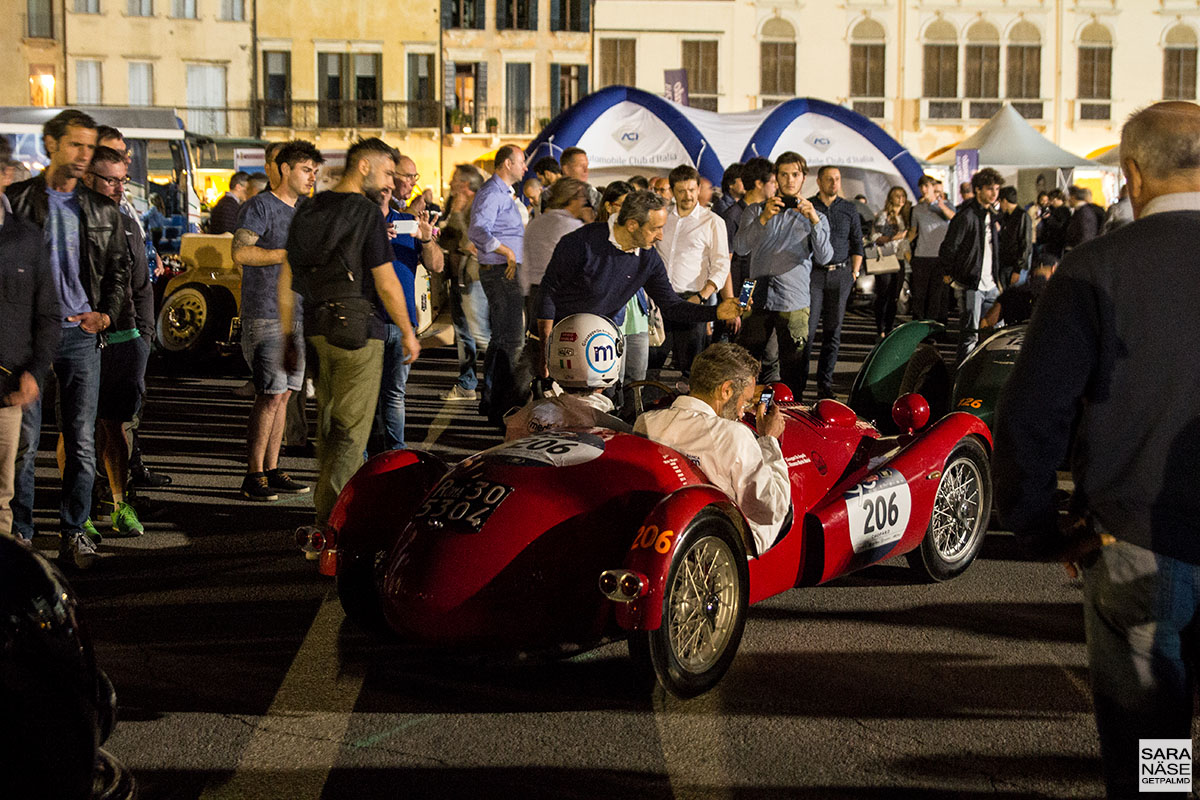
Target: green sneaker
x,y
91,531
125,521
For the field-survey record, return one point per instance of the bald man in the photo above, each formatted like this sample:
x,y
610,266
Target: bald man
x,y
1109,356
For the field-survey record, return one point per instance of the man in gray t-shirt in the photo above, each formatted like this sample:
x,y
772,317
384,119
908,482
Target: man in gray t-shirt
x,y
930,220
259,246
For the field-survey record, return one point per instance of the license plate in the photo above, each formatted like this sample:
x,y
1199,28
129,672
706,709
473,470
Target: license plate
x,y
466,501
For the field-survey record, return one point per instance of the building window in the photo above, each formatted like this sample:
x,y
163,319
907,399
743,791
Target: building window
x,y
1179,64
183,9
983,71
467,85
233,10
277,89
867,68
568,83
941,71
41,85
87,83
618,62
349,89
1024,73
140,8
517,15
40,19
517,106
87,6
777,63
1095,72
570,15
141,83
463,14
422,97
700,61
206,99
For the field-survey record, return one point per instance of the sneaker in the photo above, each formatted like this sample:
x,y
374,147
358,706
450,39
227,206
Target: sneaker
x,y
141,475
125,520
280,481
77,551
91,531
255,487
458,394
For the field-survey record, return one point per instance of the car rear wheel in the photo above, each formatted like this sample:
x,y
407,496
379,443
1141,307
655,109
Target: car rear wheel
x,y
926,374
358,591
187,322
704,610
961,509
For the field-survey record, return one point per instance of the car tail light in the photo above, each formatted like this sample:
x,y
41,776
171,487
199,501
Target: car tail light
x,y
622,585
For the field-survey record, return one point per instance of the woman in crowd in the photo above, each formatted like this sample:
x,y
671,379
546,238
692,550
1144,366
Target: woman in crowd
x,y
891,225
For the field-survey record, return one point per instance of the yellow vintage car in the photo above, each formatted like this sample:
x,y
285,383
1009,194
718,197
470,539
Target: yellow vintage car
x,y
201,306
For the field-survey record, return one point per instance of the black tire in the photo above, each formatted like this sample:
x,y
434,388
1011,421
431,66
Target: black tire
x,y
961,510
927,375
189,321
717,619
358,591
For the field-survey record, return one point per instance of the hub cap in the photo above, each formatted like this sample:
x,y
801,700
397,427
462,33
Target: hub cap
x,y
703,604
956,509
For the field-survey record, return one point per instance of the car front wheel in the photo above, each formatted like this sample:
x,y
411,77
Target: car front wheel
x,y
704,610
961,509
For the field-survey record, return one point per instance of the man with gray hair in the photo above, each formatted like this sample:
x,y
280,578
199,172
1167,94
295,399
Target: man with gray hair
x,y
596,269
1104,358
705,426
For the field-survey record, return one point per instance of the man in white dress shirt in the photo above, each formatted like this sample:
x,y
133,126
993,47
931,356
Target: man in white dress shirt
x,y
695,248
705,426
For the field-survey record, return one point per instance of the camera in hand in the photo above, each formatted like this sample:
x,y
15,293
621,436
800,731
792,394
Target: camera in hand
x,y
790,201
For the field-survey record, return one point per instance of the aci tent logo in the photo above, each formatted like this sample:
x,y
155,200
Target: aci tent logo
x,y
627,136
820,141
1164,765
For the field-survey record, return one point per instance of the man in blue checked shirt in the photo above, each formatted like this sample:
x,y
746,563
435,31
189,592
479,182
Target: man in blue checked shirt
x,y
498,234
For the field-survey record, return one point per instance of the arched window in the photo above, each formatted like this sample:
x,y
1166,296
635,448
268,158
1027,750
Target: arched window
x,y
1095,72
1024,73
983,70
867,45
777,62
941,70
1179,64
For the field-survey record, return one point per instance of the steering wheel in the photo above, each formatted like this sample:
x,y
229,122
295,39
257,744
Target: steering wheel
x,y
662,396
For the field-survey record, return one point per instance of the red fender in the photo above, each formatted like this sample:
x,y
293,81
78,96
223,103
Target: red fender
x,y
654,544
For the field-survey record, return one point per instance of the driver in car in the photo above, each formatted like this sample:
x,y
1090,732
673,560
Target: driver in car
x,y
705,426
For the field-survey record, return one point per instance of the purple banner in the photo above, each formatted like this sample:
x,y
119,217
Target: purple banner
x,y
676,85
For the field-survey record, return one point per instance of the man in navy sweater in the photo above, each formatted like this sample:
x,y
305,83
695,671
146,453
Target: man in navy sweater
x,y
596,269
1107,355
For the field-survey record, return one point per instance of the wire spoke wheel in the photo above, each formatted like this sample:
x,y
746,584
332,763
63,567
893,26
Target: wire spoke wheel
x,y
960,514
705,599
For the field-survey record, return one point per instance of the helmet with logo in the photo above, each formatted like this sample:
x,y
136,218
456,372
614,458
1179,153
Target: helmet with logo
x,y
585,352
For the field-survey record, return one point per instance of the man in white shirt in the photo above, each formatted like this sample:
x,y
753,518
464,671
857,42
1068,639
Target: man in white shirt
x,y
695,248
705,427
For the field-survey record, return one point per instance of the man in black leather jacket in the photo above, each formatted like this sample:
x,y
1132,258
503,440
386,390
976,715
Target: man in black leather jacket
x,y
90,262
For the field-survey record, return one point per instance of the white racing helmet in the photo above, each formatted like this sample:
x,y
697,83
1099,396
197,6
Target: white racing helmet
x,y
585,352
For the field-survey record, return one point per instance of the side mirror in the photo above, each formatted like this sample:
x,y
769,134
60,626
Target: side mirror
x,y
910,412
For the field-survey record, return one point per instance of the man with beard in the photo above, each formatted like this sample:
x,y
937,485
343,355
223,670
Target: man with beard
x,y
338,249
258,245
705,426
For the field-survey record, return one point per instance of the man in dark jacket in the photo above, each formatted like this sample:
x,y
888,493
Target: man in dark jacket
x,y
1104,354
29,335
224,215
970,256
90,263
1016,238
1087,218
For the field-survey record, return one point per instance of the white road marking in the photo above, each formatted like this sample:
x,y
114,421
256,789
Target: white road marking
x,y
293,744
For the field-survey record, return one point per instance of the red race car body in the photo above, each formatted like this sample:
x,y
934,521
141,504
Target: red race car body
x,y
505,549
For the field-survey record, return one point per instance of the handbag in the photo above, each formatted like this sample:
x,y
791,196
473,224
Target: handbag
x,y
880,260
658,330
345,323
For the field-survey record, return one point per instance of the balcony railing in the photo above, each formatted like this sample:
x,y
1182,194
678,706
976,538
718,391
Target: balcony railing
x,y
388,115
515,121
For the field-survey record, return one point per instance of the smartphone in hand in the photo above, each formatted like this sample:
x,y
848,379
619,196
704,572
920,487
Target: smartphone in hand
x,y
747,291
767,396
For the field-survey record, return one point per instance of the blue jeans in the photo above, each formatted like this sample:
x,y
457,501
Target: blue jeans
x,y
829,290
1139,611
972,306
469,311
389,411
77,368
506,317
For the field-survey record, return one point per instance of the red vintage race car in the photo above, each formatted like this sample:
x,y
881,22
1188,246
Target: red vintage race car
x,y
506,548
